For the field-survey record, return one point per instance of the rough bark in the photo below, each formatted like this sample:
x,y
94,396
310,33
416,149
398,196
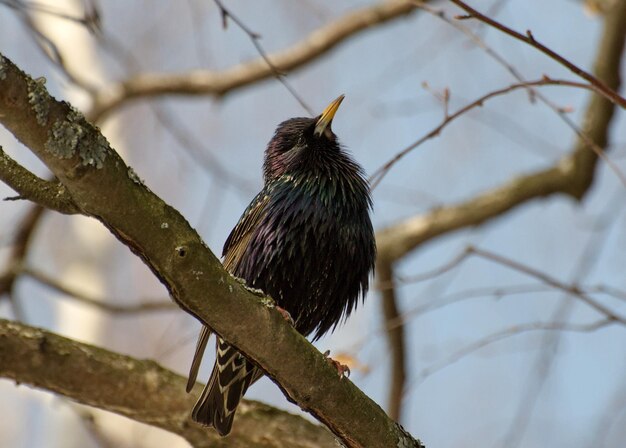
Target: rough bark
x,y
139,389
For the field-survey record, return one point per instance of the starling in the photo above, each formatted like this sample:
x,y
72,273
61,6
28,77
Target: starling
x,y
306,240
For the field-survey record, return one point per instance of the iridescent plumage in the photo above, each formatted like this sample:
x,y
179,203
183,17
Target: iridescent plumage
x,y
306,240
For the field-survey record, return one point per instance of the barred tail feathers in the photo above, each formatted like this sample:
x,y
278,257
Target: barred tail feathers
x,y
231,377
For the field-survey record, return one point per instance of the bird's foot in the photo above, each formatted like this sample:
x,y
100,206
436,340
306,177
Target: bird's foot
x,y
283,312
342,369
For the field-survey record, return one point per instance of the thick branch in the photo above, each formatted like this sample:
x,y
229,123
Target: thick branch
x,y
222,82
103,186
139,389
396,241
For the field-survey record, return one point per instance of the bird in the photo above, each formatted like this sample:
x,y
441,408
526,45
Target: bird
x,y
306,240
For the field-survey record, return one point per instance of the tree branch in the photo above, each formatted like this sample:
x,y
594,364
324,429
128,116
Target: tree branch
x,y
108,305
574,290
139,389
51,195
381,172
19,250
204,82
395,340
103,187
603,88
505,334
255,39
572,175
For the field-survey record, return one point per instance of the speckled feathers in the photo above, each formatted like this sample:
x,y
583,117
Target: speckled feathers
x,y
312,244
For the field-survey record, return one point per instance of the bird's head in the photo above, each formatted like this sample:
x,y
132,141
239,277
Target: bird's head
x,y
297,141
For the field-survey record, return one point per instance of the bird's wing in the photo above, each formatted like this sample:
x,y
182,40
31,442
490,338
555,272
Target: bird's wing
x,y
237,242
234,248
232,373
205,334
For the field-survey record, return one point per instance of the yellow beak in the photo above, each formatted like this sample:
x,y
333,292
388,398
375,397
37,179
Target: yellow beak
x,y
327,116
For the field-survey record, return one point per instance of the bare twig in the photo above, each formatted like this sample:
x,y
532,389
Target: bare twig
x,y
601,87
466,295
381,172
551,342
505,334
254,38
473,293
45,194
19,251
548,280
403,280
533,93
547,284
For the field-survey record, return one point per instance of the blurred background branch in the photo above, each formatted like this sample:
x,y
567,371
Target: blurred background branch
x,y
572,175
141,390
